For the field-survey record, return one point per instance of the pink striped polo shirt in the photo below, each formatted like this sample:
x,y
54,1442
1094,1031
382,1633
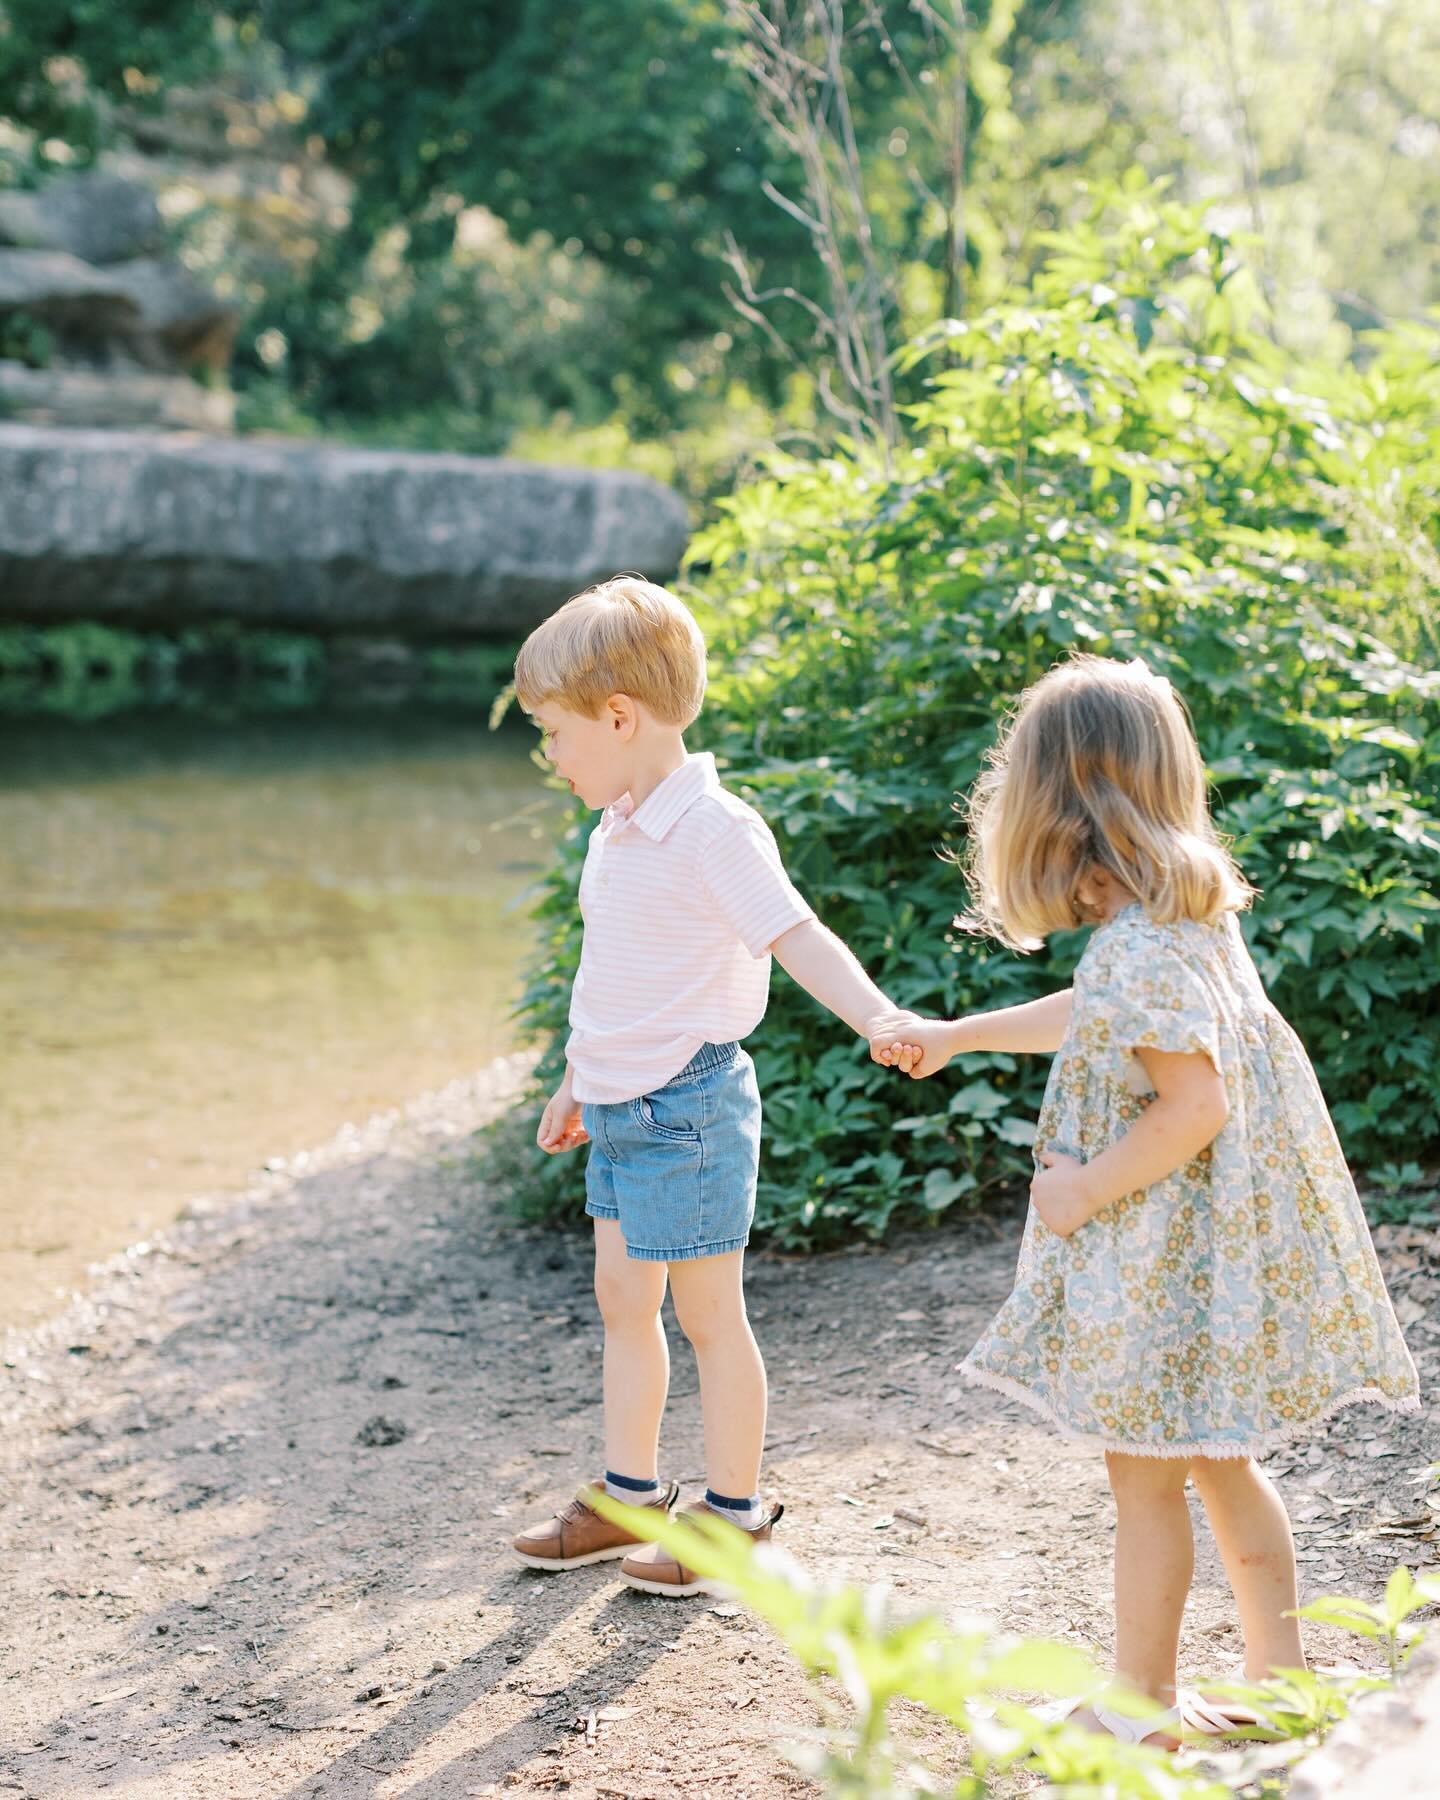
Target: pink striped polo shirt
x,y
682,897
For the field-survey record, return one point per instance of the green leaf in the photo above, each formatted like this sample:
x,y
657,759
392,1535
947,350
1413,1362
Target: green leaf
x,y
978,1100
1043,1668
1354,1616
1401,1596
1299,939
942,1190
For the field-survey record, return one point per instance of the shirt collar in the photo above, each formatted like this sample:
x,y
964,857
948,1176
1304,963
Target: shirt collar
x,y
665,804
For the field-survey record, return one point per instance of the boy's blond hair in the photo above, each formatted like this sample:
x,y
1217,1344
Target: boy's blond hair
x,y
624,636
1097,769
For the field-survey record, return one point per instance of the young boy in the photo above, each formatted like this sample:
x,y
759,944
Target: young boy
x,y
684,901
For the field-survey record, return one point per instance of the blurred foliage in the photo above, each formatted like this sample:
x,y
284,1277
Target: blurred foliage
x,y
974,1679
540,195
1114,460
85,670
61,64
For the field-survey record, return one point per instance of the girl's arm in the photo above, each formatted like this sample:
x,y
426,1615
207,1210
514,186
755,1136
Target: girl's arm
x,y
1038,1027
1189,1109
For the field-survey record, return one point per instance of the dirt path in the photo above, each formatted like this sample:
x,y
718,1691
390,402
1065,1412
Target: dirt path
x,y
215,1587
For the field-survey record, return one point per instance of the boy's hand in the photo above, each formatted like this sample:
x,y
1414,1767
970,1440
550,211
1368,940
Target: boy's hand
x,y
891,1038
917,1047
1060,1193
560,1123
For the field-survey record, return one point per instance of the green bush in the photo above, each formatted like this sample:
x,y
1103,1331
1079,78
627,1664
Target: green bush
x,y
1114,461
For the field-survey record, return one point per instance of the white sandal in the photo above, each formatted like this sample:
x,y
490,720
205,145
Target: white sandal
x,y
1220,1716
1121,1726
1204,1717
1169,1723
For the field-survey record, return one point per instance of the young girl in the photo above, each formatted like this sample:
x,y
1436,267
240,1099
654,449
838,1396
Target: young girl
x,y
1196,1281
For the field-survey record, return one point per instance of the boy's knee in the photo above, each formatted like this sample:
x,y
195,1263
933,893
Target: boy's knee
x,y
708,1327
700,1334
625,1304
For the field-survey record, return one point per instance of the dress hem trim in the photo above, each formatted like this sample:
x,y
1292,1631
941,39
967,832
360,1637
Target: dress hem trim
x,y
1256,1446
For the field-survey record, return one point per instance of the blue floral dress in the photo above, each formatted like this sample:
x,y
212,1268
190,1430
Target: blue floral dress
x,y
1239,1300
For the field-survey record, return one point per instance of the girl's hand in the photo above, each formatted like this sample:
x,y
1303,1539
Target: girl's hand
x,y
1061,1193
889,1034
560,1123
917,1047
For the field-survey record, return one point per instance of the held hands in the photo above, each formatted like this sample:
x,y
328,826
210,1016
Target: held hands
x,y
560,1126
892,1038
916,1047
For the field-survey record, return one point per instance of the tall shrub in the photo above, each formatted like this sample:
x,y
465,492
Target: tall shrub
x,y
1114,460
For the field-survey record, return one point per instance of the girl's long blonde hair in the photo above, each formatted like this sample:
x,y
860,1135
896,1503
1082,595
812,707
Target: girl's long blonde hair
x,y
1097,768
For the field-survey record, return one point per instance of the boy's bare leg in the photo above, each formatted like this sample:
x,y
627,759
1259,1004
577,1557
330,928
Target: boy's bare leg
x,y
637,1358
710,1305
636,1376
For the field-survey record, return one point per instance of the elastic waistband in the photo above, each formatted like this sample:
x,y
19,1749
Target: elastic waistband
x,y
706,1058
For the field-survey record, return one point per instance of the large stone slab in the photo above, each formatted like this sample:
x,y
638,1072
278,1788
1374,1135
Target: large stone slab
x,y
167,529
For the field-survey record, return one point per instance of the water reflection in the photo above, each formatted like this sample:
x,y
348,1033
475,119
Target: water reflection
x,y
220,941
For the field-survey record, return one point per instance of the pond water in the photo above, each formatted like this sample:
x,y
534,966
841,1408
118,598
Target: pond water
x,y
222,940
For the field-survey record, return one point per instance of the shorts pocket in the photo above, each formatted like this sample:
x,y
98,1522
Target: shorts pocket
x,y
667,1116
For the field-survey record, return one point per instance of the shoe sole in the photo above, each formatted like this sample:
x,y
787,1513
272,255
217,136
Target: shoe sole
x,y
572,1562
668,1590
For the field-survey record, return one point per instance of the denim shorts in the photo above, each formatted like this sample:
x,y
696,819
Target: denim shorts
x,y
677,1167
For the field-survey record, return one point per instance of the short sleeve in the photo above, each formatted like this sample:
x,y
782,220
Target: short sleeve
x,y
741,872
1143,995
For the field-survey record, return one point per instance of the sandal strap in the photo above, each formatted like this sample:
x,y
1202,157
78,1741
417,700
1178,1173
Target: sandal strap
x,y
1214,1718
1134,1731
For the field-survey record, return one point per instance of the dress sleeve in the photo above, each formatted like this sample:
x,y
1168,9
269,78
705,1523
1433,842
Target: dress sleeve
x,y
1143,995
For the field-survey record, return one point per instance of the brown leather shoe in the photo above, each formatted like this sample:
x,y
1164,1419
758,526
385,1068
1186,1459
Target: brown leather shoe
x,y
655,1571
578,1535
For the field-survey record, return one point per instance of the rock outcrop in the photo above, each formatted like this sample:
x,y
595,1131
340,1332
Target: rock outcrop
x,y
165,529
89,302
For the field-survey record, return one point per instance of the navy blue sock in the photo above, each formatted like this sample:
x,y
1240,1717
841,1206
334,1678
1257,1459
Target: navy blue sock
x,y
632,1492
747,1514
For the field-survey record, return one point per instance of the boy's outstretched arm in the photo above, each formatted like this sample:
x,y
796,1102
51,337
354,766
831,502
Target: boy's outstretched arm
x,y
826,969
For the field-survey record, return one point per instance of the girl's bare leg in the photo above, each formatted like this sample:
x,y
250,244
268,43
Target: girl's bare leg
x,y
1154,1563
1252,1531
